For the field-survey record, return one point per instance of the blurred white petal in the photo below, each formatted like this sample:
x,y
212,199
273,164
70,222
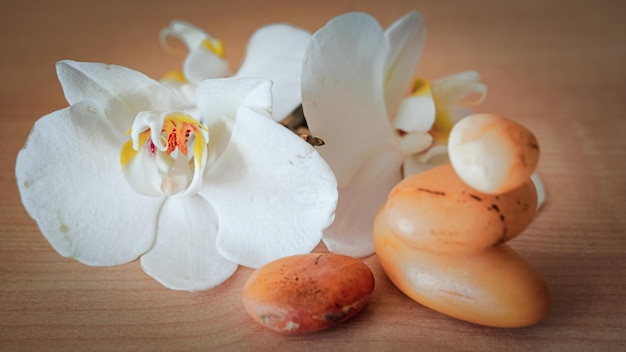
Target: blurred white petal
x,y
406,37
416,113
342,88
435,156
205,54
351,233
541,190
275,53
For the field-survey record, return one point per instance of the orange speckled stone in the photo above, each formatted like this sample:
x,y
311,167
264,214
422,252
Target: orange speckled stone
x,y
443,244
307,293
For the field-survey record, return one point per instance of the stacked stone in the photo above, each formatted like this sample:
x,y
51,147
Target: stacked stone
x,y
441,235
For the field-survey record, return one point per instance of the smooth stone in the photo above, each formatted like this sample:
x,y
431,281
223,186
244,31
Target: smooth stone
x,y
492,154
308,293
442,244
495,287
436,211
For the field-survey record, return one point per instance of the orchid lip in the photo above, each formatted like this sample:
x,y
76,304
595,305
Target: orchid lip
x,y
166,153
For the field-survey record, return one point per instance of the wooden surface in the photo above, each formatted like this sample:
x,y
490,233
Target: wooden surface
x,y
559,68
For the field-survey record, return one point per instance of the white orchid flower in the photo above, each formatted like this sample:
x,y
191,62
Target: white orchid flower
x,y
354,80
196,194
273,52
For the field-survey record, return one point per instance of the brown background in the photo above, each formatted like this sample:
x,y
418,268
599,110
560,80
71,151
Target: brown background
x,y
559,67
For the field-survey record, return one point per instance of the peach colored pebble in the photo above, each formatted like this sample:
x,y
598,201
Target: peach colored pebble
x,y
436,211
308,293
492,154
442,244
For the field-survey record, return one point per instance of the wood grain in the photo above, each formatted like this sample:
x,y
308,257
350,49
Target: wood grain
x,y
558,67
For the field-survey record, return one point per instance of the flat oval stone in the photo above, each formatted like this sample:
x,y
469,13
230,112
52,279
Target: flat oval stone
x,y
308,293
492,154
495,287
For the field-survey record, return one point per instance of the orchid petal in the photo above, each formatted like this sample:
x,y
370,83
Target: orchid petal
x,y
435,151
120,91
342,92
274,195
205,59
457,112
202,64
184,256
406,37
416,114
435,156
276,52
541,189
70,182
141,171
185,91
415,142
462,88
351,233
189,34
219,101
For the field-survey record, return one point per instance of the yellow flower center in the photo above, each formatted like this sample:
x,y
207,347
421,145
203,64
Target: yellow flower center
x,y
215,46
443,123
175,75
176,146
177,133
